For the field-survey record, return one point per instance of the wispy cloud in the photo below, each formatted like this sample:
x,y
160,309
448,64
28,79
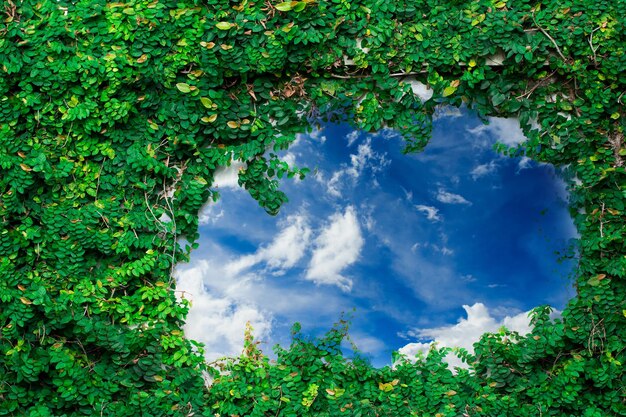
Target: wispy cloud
x,y
365,157
337,247
432,213
524,163
446,197
484,170
352,137
210,213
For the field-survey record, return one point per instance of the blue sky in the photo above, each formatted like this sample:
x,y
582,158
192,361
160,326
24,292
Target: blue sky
x,y
441,245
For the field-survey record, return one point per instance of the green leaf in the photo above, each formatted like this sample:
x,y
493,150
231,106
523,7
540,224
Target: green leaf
x,y
209,119
448,91
206,102
183,87
299,6
285,6
224,25
595,281
498,99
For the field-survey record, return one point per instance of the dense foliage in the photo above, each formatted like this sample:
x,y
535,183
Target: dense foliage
x,y
114,117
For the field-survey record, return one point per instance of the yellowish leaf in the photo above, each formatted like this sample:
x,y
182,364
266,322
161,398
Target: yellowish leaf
x,y
448,91
183,87
285,6
224,25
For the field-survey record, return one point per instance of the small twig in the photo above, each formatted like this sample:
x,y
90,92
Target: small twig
x,y
536,86
549,37
601,222
594,49
397,74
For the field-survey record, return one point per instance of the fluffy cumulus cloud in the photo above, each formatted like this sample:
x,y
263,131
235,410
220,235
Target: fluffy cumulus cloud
x,y
284,251
222,289
217,320
337,247
484,170
432,213
447,197
504,130
465,332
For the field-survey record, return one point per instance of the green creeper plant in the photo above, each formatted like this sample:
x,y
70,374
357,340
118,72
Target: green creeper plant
x,y
114,117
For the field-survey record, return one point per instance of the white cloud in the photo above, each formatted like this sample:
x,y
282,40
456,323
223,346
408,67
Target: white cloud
x,y
364,157
432,213
284,252
524,163
352,137
337,247
289,246
504,130
465,332
367,343
290,158
209,213
316,135
451,198
228,177
218,321
483,170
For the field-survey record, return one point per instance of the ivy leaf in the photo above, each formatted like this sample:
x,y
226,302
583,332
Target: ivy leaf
x,y
285,6
183,87
206,102
595,281
498,99
224,25
448,91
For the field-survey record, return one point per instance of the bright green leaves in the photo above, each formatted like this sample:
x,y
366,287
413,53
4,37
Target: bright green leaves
x,y
285,6
451,89
296,6
183,87
596,280
224,25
